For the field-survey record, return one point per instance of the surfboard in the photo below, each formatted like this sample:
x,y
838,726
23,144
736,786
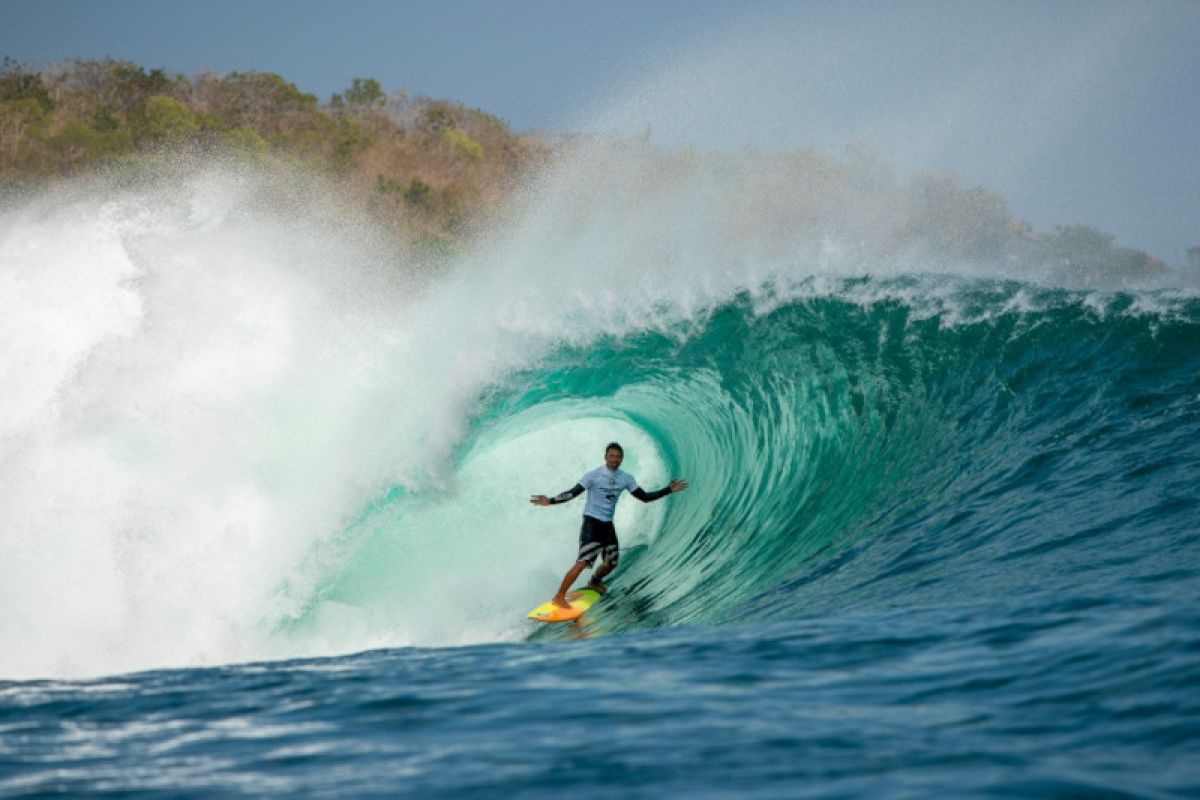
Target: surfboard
x,y
580,599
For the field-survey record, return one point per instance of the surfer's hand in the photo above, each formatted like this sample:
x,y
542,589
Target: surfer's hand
x,y
678,486
540,500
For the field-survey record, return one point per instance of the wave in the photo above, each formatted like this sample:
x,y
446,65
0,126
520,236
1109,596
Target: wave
x,y
848,451
241,427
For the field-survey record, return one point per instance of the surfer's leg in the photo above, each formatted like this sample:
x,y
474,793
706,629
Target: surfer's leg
x,y
612,553
597,581
588,550
560,599
602,572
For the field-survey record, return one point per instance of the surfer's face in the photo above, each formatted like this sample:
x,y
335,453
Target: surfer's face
x,y
613,458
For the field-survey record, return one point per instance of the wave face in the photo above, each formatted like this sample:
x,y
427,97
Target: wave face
x,y
861,445
239,428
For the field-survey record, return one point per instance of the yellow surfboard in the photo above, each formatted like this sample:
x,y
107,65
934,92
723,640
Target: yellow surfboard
x,y
580,599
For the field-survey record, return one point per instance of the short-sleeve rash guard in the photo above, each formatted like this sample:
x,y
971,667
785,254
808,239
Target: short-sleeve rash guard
x,y
604,486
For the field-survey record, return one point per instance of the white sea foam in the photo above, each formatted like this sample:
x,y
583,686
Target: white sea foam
x,y
196,390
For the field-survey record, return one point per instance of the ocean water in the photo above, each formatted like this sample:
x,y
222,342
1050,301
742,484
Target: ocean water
x,y
264,519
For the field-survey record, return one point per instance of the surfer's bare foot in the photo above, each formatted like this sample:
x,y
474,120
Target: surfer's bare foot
x,y
560,601
597,586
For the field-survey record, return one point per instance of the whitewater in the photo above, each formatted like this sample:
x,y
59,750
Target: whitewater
x,y
264,518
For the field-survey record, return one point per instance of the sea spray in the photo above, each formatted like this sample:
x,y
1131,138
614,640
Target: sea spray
x,y
198,389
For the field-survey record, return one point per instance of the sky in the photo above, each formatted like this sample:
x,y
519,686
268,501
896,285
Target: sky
x,y
1076,111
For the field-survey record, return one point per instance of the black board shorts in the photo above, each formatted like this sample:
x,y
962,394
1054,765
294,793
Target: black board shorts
x,y
598,538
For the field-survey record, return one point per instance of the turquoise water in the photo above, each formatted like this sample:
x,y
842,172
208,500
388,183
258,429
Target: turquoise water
x,y
940,540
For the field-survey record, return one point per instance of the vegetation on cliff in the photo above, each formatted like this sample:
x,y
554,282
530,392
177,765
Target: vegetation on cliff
x,y
436,171
432,168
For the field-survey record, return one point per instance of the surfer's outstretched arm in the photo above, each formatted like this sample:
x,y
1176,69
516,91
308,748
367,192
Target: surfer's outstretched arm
x,y
650,497
569,494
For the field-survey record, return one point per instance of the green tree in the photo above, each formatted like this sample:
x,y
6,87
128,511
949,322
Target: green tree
x,y
17,119
419,195
262,101
106,118
77,144
119,85
16,84
347,141
436,117
166,120
363,94
244,141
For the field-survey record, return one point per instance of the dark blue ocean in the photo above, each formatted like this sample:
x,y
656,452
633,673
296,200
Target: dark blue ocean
x,y
268,534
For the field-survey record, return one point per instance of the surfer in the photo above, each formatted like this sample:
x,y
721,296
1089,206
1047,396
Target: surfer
x,y
597,536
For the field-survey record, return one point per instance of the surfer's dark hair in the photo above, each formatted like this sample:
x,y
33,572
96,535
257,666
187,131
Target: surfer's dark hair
x,y
617,447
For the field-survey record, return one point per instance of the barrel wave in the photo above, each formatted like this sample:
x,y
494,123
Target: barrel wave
x,y
855,447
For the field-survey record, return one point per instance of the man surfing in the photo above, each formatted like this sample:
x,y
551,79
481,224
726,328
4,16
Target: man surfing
x,y
597,536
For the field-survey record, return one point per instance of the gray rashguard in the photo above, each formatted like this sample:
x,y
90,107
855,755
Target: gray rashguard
x,y
604,487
